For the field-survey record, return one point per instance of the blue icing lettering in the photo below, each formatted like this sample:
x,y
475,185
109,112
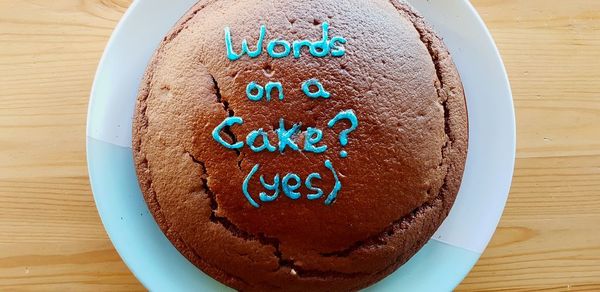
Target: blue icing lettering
x,y
289,190
274,85
321,92
336,187
251,138
255,92
308,182
313,136
298,47
289,184
260,91
259,44
228,122
283,43
321,48
285,136
231,55
245,186
335,50
351,117
270,187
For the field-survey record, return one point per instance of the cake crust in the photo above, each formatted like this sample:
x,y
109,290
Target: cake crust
x,y
400,179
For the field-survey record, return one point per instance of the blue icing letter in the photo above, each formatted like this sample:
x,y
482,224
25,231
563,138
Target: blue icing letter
x,y
231,55
351,117
283,43
321,92
321,48
308,183
313,136
336,187
298,47
274,85
289,190
228,122
245,186
260,91
274,187
337,51
285,136
251,138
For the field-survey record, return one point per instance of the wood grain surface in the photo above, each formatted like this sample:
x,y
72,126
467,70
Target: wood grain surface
x,y
51,237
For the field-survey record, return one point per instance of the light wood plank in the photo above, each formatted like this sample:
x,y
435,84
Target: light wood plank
x,y
76,266
548,237
52,239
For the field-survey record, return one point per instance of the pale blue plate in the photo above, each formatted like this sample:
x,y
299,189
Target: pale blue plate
x,y
439,266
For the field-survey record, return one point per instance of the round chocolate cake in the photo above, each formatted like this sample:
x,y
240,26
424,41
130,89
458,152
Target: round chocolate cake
x,y
300,145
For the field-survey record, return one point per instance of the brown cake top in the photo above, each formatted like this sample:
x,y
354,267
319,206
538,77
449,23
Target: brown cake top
x,y
288,135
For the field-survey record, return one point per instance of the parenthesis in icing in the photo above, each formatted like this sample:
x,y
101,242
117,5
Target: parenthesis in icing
x,y
336,187
245,186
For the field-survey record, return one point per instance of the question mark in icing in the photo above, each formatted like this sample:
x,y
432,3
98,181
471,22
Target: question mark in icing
x,y
344,115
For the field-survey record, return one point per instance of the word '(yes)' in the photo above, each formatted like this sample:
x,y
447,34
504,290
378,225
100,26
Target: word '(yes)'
x,y
289,185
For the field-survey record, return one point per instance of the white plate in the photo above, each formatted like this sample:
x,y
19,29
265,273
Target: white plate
x,y
439,266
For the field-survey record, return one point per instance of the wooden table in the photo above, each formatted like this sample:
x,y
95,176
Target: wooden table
x,y
50,233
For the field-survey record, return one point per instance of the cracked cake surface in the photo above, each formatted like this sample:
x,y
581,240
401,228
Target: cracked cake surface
x,y
405,159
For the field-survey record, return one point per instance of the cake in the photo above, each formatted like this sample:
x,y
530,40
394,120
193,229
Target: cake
x,y
300,145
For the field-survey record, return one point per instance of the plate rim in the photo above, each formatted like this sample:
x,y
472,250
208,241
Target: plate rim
x,y
111,46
